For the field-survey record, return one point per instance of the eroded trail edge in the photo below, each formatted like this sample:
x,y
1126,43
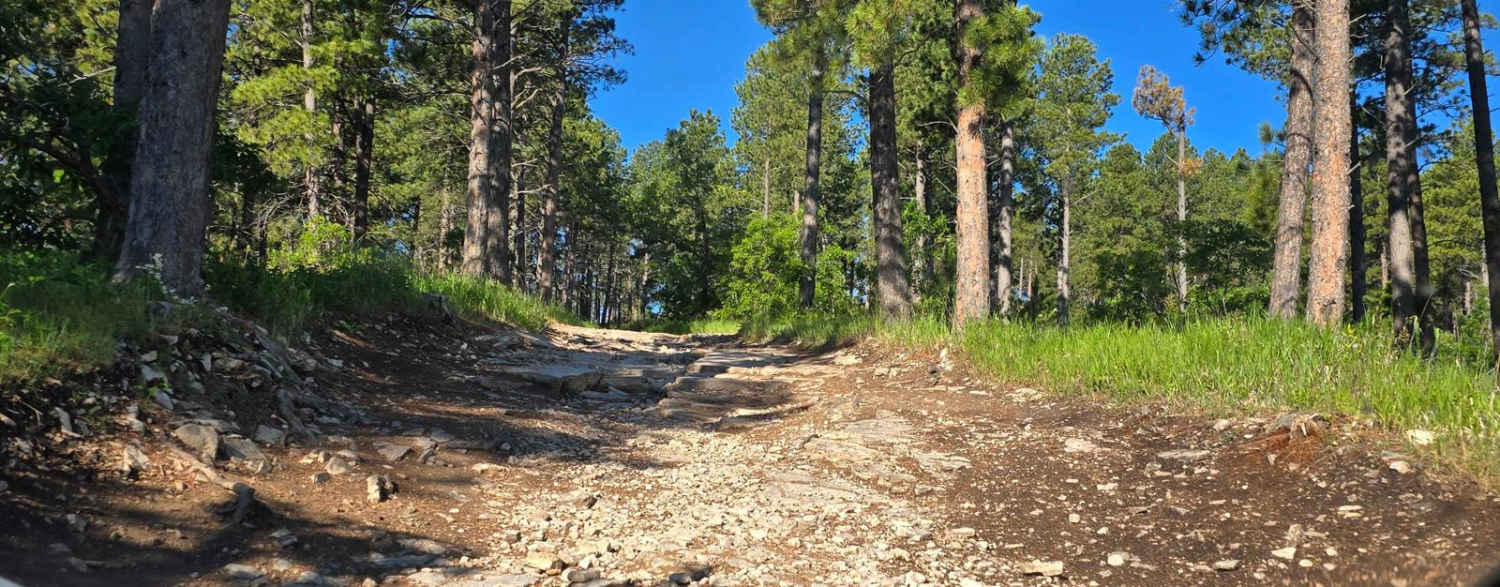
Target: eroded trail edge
x,y
601,457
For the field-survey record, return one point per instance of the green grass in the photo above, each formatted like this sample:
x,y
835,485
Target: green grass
x,y
810,330
478,299
1227,365
694,326
59,315
1255,365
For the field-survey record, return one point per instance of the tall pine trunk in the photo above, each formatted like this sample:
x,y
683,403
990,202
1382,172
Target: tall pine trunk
x,y
364,154
547,250
445,224
475,260
1484,149
1330,183
1065,260
132,52
972,292
1005,209
312,190
927,273
1401,171
1356,223
497,243
1287,270
169,186
893,290
810,196
1182,276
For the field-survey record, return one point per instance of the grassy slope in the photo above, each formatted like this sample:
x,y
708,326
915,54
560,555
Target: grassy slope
x,y
58,315
1219,365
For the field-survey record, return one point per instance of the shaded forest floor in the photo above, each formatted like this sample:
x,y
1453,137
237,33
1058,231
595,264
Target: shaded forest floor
x,y
604,457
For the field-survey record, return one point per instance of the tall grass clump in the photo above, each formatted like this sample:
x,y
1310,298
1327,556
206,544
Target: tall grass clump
x,y
1252,364
686,326
480,299
810,329
59,315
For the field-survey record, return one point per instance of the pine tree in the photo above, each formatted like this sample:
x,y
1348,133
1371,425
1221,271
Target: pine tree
x,y
169,205
1484,156
1155,98
1330,240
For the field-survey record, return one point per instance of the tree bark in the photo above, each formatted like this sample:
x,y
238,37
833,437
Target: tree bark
x,y
497,246
892,289
169,187
927,273
1330,182
645,281
1484,149
810,197
765,189
1064,263
547,250
310,183
1287,271
1426,330
132,52
1356,224
1005,209
475,258
1400,172
972,292
1182,276
445,224
364,153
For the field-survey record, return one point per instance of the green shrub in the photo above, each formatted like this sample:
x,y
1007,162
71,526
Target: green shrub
x,y
765,272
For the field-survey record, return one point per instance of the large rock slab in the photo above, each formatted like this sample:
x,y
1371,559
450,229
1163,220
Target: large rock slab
x,y
558,377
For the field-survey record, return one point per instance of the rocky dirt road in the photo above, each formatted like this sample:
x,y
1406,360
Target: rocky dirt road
x,y
596,457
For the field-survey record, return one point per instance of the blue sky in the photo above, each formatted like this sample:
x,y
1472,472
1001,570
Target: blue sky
x,y
690,53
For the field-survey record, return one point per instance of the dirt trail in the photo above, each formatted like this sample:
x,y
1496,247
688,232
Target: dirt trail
x,y
600,457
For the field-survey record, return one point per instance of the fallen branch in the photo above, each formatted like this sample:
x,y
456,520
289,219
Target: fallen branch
x,y
244,494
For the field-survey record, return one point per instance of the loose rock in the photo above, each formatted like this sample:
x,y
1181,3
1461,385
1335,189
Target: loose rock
x,y
203,440
1043,568
1227,565
378,488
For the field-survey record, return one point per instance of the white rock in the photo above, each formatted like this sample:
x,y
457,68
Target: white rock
x,y
1043,568
1227,565
1183,454
1287,553
1079,445
1420,437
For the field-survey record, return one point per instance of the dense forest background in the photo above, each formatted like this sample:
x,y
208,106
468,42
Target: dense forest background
x,y
894,157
